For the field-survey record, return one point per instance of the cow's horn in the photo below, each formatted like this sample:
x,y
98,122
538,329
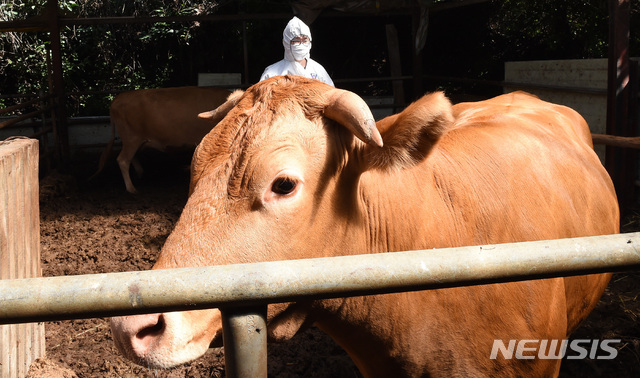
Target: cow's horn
x,y
351,111
216,115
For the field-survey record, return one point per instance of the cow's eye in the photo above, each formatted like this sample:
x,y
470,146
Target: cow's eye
x,y
283,186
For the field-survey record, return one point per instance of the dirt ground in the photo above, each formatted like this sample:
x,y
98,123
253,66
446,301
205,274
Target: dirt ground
x,y
97,227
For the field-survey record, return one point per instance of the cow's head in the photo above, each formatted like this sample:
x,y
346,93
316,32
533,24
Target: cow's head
x,y
277,179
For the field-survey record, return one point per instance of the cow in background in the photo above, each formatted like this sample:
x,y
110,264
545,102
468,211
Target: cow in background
x,y
298,169
158,118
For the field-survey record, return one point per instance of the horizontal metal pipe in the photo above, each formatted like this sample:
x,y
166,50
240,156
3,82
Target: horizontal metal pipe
x,y
110,294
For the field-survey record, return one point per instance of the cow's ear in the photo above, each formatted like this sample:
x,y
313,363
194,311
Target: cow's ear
x,y
216,115
410,135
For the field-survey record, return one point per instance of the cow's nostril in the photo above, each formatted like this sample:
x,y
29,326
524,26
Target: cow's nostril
x,y
151,330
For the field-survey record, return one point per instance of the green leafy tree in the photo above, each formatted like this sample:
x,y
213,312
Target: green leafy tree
x,y
472,41
551,29
97,57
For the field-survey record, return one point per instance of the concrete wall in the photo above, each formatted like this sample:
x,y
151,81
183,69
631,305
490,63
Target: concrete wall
x,y
89,135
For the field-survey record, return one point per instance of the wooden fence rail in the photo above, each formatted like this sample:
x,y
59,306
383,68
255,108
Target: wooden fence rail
x,y
616,141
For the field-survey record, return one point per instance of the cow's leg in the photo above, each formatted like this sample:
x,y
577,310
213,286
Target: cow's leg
x,y
124,161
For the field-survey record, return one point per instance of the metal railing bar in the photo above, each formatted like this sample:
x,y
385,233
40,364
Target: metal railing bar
x,y
245,341
226,286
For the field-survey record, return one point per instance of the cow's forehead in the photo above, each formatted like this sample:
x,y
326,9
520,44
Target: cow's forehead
x,y
256,126
275,110
259,126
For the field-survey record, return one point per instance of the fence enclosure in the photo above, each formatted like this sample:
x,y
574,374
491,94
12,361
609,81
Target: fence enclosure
x,y
243,291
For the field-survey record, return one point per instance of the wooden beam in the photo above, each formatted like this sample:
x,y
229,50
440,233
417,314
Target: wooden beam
x,y
60,132
616,141
419,29
620,163
395,62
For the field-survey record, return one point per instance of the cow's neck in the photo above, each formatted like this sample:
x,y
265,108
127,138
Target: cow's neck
x,y
388,220
389,335
402,212
367,341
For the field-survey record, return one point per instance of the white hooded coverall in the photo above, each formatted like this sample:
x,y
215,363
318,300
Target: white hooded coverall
x,y
289,65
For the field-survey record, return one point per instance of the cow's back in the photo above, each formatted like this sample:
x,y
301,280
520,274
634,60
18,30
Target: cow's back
x,y
530,161
522,106
166,116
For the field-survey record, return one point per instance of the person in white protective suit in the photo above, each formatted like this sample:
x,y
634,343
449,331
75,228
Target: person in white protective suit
x,y
296,40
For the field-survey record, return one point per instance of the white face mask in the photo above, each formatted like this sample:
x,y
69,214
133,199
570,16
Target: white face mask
x,y
300,51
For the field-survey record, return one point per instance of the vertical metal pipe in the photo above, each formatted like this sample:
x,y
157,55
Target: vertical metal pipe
x,y
244,331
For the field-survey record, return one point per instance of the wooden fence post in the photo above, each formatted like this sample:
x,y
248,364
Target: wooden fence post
x,y
20,344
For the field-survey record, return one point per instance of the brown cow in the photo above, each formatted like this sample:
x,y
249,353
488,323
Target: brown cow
x,y
283,177
158,118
